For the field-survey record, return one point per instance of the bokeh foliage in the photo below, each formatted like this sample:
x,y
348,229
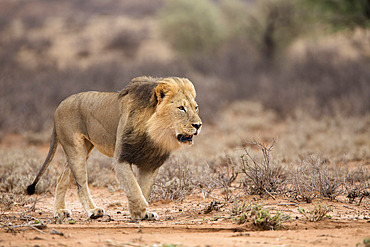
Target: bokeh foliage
x,y
341,14
192,26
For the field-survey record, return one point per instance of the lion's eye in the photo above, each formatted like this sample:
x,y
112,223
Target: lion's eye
x,y
196,108
181,108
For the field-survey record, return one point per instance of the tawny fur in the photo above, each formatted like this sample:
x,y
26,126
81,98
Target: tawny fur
x,y
138,126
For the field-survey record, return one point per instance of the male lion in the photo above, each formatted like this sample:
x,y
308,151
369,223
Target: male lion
x,y
141,125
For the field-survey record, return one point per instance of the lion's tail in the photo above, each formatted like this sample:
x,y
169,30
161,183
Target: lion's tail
x,y
53,147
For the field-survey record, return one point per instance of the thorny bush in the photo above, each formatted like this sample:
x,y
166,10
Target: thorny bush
x,y
262,176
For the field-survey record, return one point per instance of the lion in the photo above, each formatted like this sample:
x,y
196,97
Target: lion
x,y
141,126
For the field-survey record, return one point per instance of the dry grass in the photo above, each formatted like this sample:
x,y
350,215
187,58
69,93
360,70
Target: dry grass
x,y
17,169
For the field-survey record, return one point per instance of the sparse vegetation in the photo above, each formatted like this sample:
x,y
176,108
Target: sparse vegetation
x,y
312,178
357,184
17,171
179,177
223,175
260,216
9,200
263,176
319,212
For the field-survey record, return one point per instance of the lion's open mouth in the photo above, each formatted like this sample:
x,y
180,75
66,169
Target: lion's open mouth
x,y
185,138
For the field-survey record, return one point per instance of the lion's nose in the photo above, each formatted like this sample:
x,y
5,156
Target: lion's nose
x,y
197,126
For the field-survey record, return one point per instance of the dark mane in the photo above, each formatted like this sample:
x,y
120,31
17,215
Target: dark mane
x,y
141,90
139,149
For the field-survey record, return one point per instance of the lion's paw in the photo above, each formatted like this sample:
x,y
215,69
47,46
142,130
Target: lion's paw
x,y
146,215
150,216
96,213
61,214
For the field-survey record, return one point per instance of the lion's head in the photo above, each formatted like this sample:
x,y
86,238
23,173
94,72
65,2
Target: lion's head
x,y
176,118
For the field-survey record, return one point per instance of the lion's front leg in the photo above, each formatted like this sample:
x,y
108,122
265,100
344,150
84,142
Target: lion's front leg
x,y
146,180
137,204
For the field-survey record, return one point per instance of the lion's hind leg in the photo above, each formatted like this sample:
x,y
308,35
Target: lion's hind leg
x,y
77,155
64,181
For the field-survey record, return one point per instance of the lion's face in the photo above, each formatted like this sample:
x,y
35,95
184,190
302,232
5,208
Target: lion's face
x,y
176,116
185,118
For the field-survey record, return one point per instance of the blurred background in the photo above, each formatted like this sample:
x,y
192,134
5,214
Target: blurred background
x,y
290,58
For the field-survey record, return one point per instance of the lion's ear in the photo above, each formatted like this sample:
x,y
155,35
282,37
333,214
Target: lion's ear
x,y
160,92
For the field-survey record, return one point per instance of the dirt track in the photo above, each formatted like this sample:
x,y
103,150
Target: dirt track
x,y
184,224
99,235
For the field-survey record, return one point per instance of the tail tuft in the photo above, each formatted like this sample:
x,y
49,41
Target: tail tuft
x,y
31,189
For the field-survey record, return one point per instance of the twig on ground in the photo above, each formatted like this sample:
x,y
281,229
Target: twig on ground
x,y
268,193
56,232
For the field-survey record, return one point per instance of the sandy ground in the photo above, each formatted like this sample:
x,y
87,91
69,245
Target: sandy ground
x,y
181,224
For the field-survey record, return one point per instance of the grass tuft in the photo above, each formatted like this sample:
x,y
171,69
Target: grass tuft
x,y
260,216
319,212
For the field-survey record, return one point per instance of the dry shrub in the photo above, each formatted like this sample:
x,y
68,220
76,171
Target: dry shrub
x,y
263,176
357,184
302,187
100,171
173,182
358,175
327,183
18,168
360,192
313,178
179,177
224,174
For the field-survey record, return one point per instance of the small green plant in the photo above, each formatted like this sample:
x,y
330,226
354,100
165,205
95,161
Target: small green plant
x,y
265,221
366,242
259,215
319,212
